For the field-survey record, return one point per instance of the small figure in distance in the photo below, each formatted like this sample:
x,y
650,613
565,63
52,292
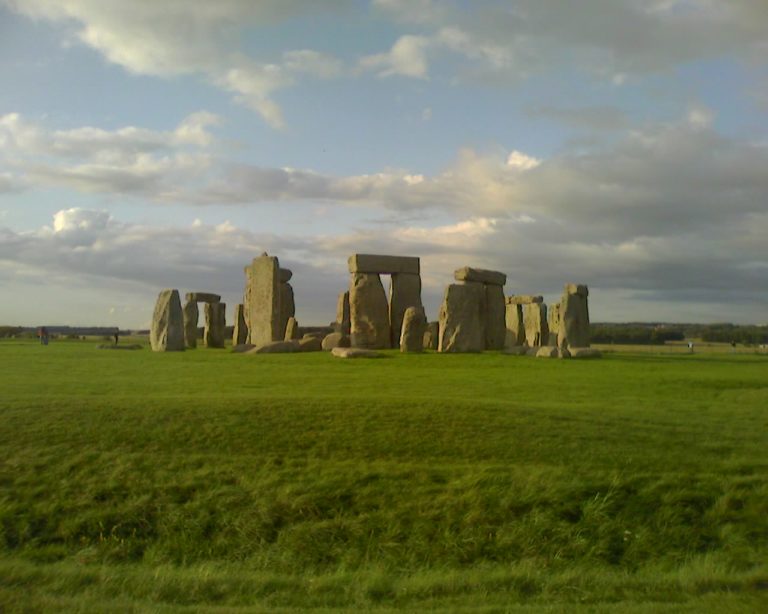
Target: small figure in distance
x,y
690,347
733,347
117,335
42,332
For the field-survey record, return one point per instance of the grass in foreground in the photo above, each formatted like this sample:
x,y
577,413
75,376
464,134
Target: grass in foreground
x,y
134,481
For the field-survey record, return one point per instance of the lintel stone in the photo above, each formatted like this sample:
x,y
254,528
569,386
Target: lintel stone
x,y
524,299
203,297
494,278
388,265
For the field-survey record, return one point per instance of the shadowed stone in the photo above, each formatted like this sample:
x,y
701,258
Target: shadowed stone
x,y
354,353
461,318
547,351
342,313
335,340
373,263
524,299
287,306
285,275
535,322
404,292
414,326
291,330
494,278
369,312
262,301
167,330
202,297
215,323
241,348
584,352
310,344
553,324
515,329
516,350
495,324
574,317
276,347
240,330
191,315
431,336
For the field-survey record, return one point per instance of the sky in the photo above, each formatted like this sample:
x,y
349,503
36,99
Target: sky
x,y
621,144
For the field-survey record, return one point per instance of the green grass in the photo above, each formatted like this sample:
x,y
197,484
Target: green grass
x,y
135,481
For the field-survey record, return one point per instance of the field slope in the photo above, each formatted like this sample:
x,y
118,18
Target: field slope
x,y
204,480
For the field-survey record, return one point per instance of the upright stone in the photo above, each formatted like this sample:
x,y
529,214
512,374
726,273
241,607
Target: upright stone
x,y
342,313
191,315
215,323
574,317
292,330
535,322
553,324
495,312
515,335
262,301
404,292
287,305
167,331
461,318
431,336
414,325
369,312
240,330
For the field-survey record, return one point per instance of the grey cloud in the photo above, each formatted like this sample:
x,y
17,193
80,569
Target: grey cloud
x,y
585,118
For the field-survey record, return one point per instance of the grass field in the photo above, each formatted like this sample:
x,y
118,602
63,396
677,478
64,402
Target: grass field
x,y
205,480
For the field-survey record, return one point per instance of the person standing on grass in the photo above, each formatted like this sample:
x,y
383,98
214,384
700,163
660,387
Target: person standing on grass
x,y
690,347
42,332
117,335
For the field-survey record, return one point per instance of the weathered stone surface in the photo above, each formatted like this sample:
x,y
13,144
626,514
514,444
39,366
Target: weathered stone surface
x,y
291,330
432,336
276,347
531,351
414,326
355,353
342,313
241,348
369,312
547,351
335,340
495,315
202,297
516,350
287,306
285,275
262,301
310,344
584,352
374,263
404,292
553,323
191,315
574,317
315,335
524,299
484,276
215,323
321,330
240,330
461,318
167,330
535,322
564,352
515,329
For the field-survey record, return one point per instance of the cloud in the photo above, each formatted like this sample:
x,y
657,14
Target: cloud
x,y
406,58
596,118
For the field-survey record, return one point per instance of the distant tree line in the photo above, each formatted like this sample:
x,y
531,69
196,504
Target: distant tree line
x,y
655,333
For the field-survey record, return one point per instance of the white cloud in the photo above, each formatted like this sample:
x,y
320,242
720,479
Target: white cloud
x,y
406,58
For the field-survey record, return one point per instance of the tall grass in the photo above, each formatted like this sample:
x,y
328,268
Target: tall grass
x,y
134,480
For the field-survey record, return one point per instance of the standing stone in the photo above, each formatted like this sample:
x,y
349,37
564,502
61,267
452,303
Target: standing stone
x,y
461,318
431,336
369,312
414,325
262,301
574,317
167,331
287,305
291,329
342,313
553,323
191,315
240,330
515,328
535,322
495,316
215,323
404,292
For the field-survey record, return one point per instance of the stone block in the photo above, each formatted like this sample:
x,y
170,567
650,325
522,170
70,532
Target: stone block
x,y
203,297
495,315
335,340
379,264
404,292
166,332
276,347
240,330
191,315
355,353
414,326
285,275
547,351
262,301
369,312
215,323
431,336
585,352
484,276
524,299
342,313
573,330
462,318
515,329
291,330
287,306
535,322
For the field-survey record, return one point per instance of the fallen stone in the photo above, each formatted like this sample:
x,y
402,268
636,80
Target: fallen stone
x,y
547,351
276,347
373,263
517,350
310,344
315,335
532,351
241,348
495,315
335,340
369,312
355,353
564,352
404,292
202,297
585,353
524,299
461,318
167,330
414,326
484,276
215,323
191,316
